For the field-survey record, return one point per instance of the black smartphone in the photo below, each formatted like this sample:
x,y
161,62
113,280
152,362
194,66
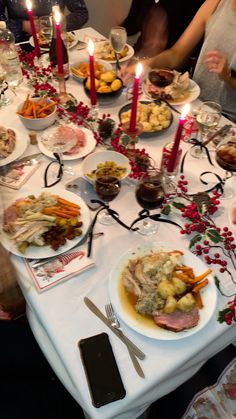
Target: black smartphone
x,y
84,189
102,373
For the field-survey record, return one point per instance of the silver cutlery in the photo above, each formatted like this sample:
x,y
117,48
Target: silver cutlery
x,y
222,132
119,334
116,324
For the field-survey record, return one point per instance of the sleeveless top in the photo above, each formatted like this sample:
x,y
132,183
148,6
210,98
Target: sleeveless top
x,y
220,35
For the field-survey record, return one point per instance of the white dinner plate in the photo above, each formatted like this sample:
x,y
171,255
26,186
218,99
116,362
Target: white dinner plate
x,y
71,44
129,54
194,92
232,206
39,252
21,145
134,320
84,151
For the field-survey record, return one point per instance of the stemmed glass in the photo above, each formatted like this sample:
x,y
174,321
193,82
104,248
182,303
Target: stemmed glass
x,y
150,195
207,116
107,186
59,144
118,39
226,158
4,100
45,31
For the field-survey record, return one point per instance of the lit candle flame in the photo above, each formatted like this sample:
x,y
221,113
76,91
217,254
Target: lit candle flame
x,y
139,69
57,17
90,47
29,5
185,111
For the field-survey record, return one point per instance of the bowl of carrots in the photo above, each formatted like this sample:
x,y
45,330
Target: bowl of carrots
x,y
37,113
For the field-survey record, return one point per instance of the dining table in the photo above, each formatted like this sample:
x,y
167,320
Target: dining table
x,y
59,318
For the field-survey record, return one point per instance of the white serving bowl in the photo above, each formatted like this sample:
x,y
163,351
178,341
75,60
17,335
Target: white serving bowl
x,y
36,124
90,162
107,67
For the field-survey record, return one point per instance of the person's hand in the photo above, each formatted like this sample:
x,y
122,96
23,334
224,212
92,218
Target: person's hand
x,y
128,71
217,63
26,27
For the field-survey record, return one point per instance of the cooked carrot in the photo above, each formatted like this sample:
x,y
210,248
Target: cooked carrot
x,y
28,110
200,285
182,276
67,203
46,107
201,276
34,110
74,213
198,299
49,210
62,214
25,103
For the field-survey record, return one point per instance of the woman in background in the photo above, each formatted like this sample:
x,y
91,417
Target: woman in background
x,y
216,21
160,22
15,13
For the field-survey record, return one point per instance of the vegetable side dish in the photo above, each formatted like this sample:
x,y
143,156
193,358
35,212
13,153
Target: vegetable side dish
x,y
40,109
108,168
45,220
152,117
164,289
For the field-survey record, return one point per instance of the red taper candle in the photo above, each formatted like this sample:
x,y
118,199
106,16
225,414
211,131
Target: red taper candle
x,y
174,151
32,25
132,125
93,95
57,18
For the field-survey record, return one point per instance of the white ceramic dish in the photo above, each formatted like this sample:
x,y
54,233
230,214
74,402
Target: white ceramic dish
x,y
208,294
90,162
20,147
129,54
71,44
37,252
84,151
107,67
37,124
194,92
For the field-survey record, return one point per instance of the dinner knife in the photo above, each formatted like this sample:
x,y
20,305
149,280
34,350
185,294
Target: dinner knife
x,y
118,333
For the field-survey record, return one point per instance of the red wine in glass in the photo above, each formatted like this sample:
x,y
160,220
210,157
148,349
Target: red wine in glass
x,y
150,195
107,187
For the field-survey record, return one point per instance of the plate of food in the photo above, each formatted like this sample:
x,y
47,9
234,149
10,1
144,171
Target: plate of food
x,y
155,118
85,141
162,292
104,51
173,86
44,224
71,39
110,161
80,69
12,145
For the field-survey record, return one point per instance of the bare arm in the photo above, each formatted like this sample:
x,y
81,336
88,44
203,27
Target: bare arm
x,y
176,55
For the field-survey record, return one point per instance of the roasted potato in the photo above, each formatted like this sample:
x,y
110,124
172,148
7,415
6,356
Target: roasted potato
x,y
108,76
186,303
180,286
170,305
165,289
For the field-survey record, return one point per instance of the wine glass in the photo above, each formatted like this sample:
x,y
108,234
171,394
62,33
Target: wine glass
x,y
45,31
207,116
4,100
118,38
58,143
107,186
226,158
150,195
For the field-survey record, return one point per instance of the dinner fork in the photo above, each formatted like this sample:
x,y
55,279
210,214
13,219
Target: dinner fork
x,y
116,324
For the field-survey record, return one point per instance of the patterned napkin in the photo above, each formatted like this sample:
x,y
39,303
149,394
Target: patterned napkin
x,y
60,268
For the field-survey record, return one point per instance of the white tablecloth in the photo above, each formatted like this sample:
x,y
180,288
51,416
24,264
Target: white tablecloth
x,y
59,317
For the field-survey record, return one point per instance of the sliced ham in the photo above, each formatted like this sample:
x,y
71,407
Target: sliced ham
x,y
178,320
233,215
81,141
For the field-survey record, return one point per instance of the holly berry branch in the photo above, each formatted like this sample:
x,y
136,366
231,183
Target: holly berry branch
x,y
214,244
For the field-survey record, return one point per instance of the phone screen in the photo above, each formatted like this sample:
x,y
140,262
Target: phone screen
x,y
85,190
103,376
